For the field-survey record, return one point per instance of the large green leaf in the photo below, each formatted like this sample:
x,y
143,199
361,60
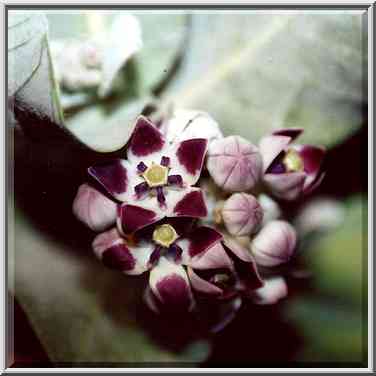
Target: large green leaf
x,y
82,312
106,130
332,319
258,71
31,76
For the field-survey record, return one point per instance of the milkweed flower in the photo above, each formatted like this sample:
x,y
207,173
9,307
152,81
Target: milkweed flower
x,y
290,170
179,254
155,181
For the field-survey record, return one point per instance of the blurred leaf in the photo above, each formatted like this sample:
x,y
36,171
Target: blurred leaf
x,y
122,41
255,72
26,32
31,77
333,317
81,311
106,130
332,332
163,36
337,258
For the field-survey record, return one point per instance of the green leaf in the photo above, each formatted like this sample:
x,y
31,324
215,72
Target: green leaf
x,y
81,311
332,317
255,72
331,332
163,36
31,76
106,130
337,259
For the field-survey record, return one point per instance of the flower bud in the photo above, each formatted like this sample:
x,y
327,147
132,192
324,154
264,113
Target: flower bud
x,y
274,244
242,214
93,208
234,164
274,289
270,208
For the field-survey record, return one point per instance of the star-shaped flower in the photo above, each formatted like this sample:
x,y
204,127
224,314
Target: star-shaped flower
x,y
156,179
183,259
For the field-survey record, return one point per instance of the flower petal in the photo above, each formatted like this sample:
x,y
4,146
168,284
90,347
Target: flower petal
x,y
188,159
134,217
287,186
244,265
213,257
169,283
146,142
200,240
187,124
94,209
273,290
270,147
150,300
117,178
187,203
293,133
115,253
313,157
201,285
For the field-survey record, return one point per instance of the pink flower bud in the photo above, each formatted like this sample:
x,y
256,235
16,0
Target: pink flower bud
x,y
274,289
242,214
274,244
93,208
234,164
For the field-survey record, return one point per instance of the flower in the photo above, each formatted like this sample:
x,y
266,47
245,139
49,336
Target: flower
x,y
187,124
155,181
274,244
233,274
178,253
242,214
234,164
94,209
290,171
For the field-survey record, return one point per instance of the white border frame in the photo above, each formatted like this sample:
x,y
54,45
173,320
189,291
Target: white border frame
x,y
3,169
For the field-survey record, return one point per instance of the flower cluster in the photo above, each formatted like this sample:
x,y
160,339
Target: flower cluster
x,y
186,206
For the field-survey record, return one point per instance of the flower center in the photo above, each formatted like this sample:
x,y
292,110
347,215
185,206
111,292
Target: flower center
x,y
156,175
164,235
293,161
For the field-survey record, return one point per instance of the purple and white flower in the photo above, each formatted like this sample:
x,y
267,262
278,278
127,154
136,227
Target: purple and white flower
x,y
183,259
156,179
290,170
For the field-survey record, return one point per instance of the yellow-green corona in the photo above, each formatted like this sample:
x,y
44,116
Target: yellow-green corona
x,y
164,235
292,161
156,175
